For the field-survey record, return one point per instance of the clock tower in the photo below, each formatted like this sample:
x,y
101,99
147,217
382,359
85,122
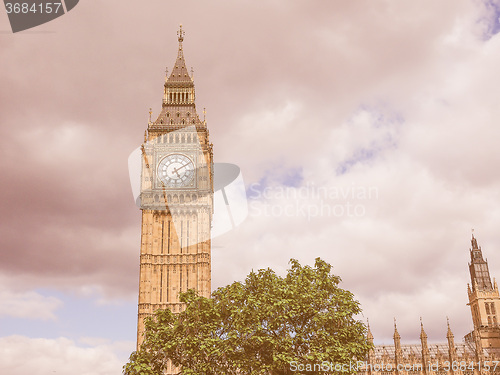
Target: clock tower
x,y
176,199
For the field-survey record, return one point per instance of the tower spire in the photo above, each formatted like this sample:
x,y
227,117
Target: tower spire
x,y
369,335
425,347
179,87
180,35
478,268
396,333
397,346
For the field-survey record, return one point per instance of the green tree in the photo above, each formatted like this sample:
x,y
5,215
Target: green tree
x,y
265,325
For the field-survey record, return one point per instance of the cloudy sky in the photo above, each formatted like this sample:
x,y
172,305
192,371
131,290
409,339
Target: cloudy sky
x,y
366,131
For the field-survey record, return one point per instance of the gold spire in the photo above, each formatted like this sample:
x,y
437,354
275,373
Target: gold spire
x,y
180,33
179,73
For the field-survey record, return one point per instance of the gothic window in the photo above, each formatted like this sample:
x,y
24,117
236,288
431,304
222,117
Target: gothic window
x,y
172,121
493,308
168,114
193,121
183,121
188,114
489,320
178,114
495,321
487,308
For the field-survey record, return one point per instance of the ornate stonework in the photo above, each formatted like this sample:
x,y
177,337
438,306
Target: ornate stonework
x,y
479,353
176,199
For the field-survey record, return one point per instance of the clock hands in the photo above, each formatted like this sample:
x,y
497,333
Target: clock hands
x,y
176,170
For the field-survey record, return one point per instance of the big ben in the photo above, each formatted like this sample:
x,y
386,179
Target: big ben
x,y
176,199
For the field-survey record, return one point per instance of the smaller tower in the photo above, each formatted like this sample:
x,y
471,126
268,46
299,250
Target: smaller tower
x,y
371,352
484,301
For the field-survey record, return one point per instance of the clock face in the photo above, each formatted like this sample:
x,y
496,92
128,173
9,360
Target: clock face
x,y
176,170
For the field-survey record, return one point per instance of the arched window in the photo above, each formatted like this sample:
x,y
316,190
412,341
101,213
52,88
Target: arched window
x,y
487,308
493,308
495,321
489,320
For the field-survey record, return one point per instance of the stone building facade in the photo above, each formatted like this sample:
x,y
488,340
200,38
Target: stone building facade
x,y
176,199
478,353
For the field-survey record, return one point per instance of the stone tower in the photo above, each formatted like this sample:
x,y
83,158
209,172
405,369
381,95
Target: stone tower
x,y
484,301
176,199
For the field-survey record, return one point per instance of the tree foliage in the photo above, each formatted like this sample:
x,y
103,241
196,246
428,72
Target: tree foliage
x,y
259,326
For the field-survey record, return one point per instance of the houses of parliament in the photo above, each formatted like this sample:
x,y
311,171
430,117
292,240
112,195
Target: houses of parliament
x,y
478,353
